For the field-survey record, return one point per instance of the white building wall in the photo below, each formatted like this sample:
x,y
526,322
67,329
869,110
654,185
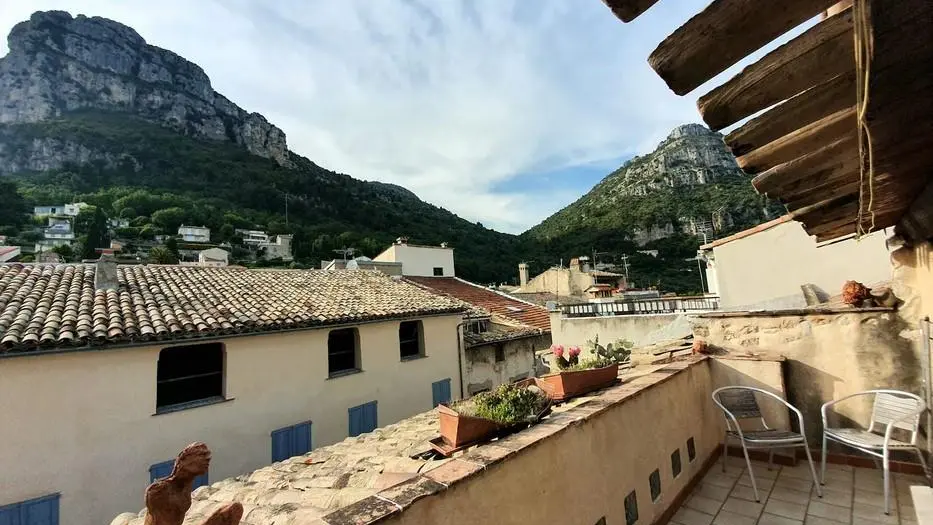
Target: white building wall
x,y
420,261
766,270
83,424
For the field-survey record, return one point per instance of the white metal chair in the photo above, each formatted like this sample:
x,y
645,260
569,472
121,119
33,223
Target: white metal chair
x,y
892,409
739,402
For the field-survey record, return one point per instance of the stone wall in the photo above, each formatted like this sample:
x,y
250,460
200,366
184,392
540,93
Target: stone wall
x,y
642,330
483,372
828,354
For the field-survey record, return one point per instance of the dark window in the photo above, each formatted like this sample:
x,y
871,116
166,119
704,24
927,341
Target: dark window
x,y
478,327
438,271
363,418
291,441
189,373
675,463
691,449
342,350
164,469
500,353
631,509
39,511
410,342
654,482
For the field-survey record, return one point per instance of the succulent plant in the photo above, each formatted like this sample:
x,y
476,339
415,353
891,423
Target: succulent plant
x,y
613,353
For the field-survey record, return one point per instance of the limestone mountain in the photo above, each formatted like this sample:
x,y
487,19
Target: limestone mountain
x,y
89,111
690,184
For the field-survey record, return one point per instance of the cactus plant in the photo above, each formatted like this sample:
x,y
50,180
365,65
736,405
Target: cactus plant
x,y
613,353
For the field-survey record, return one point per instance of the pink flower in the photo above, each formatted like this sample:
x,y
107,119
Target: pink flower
x,y
557,350
574,351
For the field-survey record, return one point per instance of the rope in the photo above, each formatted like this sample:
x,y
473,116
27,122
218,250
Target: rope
x,y
864,49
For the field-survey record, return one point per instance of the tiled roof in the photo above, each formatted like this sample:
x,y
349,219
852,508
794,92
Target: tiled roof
x,y
498,333
542,298
499,304
304,488
57,305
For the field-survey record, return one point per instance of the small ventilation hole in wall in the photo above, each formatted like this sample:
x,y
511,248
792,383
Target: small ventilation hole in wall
x,y
631,509
654,482
675,463
691,449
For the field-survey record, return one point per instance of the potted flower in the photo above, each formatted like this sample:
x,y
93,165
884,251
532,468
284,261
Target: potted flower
x,y
491,414
577,377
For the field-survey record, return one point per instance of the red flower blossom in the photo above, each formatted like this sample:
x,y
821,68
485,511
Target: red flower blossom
x,y
574,351
558,350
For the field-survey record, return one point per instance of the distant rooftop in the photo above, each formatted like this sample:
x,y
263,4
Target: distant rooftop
x,y
55,306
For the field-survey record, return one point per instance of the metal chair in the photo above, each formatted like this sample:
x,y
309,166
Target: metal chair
x,y
892,409
739,402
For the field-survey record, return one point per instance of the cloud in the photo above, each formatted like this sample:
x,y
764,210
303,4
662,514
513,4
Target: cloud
x,y
460,101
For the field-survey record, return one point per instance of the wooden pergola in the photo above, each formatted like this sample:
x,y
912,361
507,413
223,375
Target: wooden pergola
x,y
842,132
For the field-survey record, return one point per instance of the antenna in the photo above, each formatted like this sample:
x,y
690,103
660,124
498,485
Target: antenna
x,y
288,196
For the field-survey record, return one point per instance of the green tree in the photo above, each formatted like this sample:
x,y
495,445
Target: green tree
x,y
91,224
226,232
172,245
65,251
162,255
128,213
13,209
169,219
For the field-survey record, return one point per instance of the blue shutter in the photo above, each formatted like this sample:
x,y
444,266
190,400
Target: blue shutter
x,y
301,439
41,511
9,514
441,391
356,421
160,470
281,444
363,418
371,417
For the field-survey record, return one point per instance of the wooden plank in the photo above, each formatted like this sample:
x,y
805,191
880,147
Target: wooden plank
x,y
839,156
628,10
826,192
836,126
819,54
825,209
724,33
811,105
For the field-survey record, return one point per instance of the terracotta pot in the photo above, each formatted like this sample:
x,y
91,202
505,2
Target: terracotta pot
x,y
564,385
458,430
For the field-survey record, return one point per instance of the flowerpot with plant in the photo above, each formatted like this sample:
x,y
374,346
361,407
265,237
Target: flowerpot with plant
x,y
486,415
577,376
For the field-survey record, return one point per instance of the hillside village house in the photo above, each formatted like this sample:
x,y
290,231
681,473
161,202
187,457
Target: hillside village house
x,y
766,266
194,233
107,372
419,260
579,280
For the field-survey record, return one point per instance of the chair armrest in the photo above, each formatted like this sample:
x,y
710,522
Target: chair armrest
x,y
826,406
890,426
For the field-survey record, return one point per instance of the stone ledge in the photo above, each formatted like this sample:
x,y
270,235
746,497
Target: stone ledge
x,y
796,312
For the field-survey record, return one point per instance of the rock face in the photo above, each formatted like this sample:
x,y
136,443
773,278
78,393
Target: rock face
x,y
58,63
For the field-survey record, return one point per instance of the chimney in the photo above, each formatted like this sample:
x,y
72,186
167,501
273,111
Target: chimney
x,y
105,275
522,274
575,264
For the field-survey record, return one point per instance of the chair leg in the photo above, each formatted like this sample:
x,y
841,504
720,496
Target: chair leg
x,y
923,463
887,483
823,462
725,449
819,489
751,475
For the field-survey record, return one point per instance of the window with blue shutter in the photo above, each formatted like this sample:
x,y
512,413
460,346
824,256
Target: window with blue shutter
x,y
39,511
441,391
363,419
164,469
291,441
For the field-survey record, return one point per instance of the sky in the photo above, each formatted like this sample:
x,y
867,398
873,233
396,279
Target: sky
x,y
502,111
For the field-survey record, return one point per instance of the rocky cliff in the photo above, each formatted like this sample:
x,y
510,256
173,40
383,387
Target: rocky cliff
x,y
689,184
58,63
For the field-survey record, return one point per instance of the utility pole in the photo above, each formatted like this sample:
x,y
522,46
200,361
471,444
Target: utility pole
x,y
700,268
346,252
624,258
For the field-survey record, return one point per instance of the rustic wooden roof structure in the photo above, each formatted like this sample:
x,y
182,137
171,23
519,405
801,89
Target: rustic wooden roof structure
x,y
842,127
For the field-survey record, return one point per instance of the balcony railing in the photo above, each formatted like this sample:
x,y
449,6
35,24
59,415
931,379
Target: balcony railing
x,y
641,307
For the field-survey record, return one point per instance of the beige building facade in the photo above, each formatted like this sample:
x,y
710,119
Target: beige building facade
x,y
420,261
764,267
85,425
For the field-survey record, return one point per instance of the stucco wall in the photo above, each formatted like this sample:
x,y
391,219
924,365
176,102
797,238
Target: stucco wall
x,y
828,355
82,423
482,372
420,261
913,282
640,329
560,281
584,472
767,269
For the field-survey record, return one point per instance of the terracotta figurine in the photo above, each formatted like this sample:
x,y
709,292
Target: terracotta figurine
x,y
168,499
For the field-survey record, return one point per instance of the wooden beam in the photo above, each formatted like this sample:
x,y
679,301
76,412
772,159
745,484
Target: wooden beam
x,y
837,157
811,105
724,33
819,54
838,125
628,10
825,192
826,209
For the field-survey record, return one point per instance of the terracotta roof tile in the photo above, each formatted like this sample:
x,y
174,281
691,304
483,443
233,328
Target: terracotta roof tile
x,y
57,305
521,312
